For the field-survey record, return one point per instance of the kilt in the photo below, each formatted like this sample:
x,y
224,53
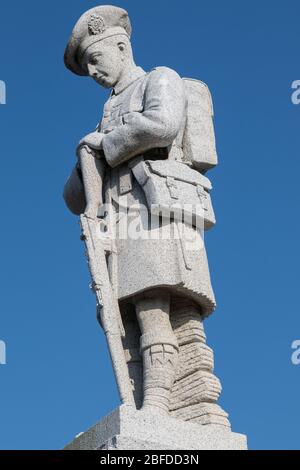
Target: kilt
x,y
151,252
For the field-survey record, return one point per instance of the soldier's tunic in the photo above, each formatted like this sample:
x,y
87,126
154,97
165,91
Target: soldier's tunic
x,y
146,112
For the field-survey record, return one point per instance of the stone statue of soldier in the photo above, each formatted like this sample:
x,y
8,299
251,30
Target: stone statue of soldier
x,y
163,288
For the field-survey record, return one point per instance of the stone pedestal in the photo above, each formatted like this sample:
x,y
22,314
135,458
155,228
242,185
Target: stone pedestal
x,y
128,429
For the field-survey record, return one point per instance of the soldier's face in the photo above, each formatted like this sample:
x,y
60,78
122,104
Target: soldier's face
x,y
104,62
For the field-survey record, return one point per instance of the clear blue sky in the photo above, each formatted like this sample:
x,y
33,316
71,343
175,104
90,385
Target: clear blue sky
x,y
58,379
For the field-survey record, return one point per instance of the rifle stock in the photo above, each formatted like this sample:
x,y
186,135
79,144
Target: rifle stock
x,y
96,247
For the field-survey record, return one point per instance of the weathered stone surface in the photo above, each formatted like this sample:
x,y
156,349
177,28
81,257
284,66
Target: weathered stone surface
x,y
203,413
196,389
194,357
141,181
127,429
201,386
187,323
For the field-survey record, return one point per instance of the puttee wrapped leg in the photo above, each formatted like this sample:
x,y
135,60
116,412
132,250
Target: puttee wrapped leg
x,y
159,349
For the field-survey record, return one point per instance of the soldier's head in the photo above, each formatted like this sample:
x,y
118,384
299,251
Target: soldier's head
x,y
100,46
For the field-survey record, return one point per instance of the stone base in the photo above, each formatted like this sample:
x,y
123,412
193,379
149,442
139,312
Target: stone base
x,y
129,429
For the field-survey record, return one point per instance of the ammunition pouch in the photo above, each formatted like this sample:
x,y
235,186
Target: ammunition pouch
x,y
174,190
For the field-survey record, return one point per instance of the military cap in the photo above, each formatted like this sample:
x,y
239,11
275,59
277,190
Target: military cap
x,y
93,26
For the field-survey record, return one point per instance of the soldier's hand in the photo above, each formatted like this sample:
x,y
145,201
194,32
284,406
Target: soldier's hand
x,y
92,140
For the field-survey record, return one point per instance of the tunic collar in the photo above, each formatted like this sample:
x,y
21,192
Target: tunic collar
x,y
133,75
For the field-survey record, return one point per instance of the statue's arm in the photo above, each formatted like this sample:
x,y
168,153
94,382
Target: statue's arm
x,y
157,126
74,194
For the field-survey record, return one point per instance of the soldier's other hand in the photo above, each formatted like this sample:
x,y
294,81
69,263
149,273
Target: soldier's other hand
x,y
92,140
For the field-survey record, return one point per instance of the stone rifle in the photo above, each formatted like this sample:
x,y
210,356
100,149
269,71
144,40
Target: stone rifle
x,y
96,247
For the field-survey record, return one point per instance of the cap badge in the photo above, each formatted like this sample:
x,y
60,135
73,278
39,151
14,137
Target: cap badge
x,y
96,24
